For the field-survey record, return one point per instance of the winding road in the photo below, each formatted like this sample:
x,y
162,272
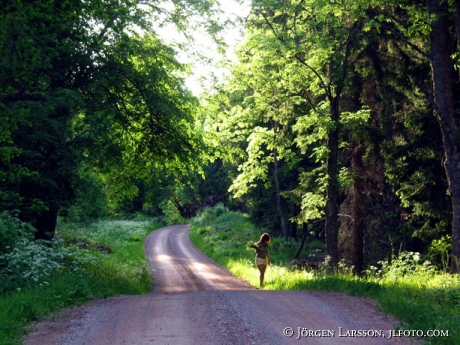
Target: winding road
x,y
196,301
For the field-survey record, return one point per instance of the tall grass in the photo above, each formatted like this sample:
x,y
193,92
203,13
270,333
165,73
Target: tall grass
x,y
98,260
408,288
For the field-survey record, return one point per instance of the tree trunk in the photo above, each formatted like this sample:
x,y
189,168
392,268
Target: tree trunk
x,y
139,199
332,247
302,242
443,74
457,23
306,231
278,197
45,224
357,167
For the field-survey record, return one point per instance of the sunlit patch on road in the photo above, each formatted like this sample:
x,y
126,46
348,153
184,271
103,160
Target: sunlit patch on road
x,y
180,267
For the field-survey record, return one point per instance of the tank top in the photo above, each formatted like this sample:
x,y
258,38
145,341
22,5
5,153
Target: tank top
x,y
263,250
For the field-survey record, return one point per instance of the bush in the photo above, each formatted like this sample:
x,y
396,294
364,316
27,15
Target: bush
x,y
439,252
171,212
32,263
11,230
91,200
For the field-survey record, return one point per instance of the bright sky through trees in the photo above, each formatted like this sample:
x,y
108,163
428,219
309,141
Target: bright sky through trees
x,y
207,62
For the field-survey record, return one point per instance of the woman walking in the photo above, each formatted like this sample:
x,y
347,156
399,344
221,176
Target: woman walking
x,y
262,256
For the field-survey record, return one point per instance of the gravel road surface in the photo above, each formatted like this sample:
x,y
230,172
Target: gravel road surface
x,y
195,301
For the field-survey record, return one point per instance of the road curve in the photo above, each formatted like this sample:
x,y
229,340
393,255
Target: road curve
x,y
195,301
179,267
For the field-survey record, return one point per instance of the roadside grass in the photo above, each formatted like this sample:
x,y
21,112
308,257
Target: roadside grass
x,y
118,245
422,298
99,260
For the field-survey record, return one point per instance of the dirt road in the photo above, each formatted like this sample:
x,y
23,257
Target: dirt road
x,y
195,301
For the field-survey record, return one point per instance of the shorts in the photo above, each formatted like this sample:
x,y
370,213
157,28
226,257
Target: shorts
x,y
261,261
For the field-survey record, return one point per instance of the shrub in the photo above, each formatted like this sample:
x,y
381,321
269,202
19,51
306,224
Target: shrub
x,y
406,263
31,263
439,252
172,214
11,230
91,200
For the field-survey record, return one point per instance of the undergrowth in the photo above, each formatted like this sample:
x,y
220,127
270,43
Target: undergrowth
x,y
409,288
84,262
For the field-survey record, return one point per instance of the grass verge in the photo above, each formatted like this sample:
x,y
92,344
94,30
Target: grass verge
x,y
111,261
422,298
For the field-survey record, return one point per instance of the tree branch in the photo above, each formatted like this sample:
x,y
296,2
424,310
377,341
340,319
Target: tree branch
x,y
400,36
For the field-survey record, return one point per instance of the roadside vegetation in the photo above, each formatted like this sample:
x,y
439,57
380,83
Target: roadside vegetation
x,y
421,296
96,120
84,262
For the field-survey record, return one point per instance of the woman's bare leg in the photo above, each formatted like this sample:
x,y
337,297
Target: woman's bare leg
x,y
262,274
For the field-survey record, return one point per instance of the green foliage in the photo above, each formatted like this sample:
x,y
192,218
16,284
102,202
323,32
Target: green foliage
x,y
33,263
421,297
223,233
88,87
11,231
313,69
208,215
171,212
142,72
251,246
91,201
439,252
312,206
102,259
402,265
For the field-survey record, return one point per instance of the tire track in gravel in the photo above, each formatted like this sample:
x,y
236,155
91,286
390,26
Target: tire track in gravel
x,y
196,301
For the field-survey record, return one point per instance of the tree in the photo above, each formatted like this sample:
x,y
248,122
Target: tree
x,y
432,33
257,118
85,82
445,86
300,28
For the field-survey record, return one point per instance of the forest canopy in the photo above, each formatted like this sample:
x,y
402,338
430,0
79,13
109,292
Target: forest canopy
x,y
346,113
339,122
88,92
